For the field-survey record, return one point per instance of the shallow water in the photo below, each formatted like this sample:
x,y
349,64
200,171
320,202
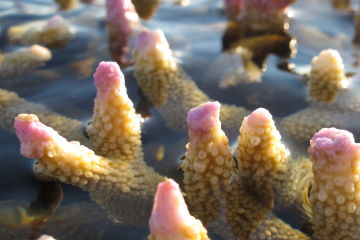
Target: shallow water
x,y
65,85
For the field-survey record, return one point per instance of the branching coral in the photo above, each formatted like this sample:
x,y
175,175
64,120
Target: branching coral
x,y
217,190
119,181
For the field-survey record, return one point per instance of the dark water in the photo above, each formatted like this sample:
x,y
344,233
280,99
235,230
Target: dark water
x,y
194,33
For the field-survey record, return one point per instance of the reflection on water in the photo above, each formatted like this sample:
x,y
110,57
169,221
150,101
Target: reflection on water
x,y
194,32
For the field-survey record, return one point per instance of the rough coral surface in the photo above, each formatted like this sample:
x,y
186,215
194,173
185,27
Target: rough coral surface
x,y
170,218
169,88
119,184
334,195
327,76
23,61
266,165
115,127
215,188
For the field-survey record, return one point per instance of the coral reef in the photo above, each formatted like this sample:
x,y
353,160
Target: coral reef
x,y
55,32
23,61
170,218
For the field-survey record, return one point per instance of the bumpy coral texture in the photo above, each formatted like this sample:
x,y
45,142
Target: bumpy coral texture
x,y
334,195
169,88
215,188
332,104
55,32
23,61
170,218
266,165
119,184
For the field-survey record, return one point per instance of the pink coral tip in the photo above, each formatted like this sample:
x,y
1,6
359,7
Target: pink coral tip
x,y
31,133
204,117
150,40
55,22
170,217
259,117
121,12
108,76
333,150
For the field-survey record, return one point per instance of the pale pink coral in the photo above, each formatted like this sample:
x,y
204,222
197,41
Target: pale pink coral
x,y
170,217
259,117
108,76
148,41
122,13
204,117
33,135
333,150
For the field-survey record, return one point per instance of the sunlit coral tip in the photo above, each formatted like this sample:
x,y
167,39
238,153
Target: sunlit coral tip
x,y
108,76
170,213
26,125
40,53
150,40
259,117
327,60
333,149
204,117
55,22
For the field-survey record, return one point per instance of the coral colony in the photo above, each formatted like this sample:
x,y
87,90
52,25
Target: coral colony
x,y
234,194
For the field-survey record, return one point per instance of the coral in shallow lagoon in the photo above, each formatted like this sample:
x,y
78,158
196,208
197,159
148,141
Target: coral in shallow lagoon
x,y
55,32
23,61
119,180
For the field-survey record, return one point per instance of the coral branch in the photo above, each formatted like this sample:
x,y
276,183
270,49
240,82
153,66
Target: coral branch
x,y
122,20
170,218
115,185
56,32
115,127
23,61
167,86
327,76
334,195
